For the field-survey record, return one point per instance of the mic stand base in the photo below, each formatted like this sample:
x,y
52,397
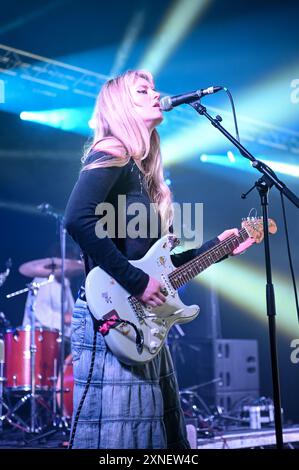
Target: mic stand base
x,y
263,186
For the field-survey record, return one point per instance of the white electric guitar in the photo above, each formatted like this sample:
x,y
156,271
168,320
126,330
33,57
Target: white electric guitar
x,y
135,332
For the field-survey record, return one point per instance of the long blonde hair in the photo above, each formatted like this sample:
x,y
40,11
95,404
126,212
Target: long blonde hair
x,y
121,133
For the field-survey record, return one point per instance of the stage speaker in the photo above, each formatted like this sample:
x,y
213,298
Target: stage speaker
x,y
221,371
236,364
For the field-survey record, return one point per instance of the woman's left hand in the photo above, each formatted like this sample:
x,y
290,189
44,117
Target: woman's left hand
x,y
242,247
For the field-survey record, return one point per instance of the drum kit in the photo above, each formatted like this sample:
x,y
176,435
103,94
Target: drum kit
x,y
30,359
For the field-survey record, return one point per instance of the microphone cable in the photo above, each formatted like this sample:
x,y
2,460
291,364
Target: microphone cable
x,y
289,254
76,419
283,211
234,112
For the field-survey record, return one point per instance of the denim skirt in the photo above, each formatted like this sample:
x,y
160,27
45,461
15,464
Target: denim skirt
x,y
126,407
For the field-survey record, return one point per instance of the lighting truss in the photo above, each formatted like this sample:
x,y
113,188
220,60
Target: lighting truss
x,y
51,77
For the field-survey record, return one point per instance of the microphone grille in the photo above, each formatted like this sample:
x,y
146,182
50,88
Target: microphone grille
x,y
165,103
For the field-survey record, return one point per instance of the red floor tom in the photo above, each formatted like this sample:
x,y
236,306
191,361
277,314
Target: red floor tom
x,y
17,358
68,380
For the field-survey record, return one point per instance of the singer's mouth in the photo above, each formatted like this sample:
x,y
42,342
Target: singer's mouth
x,y
157,105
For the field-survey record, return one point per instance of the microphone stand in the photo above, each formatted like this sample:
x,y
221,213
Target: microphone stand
x,y
263,186
48,210
62,233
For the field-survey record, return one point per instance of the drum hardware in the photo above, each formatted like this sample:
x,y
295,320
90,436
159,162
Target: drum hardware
x,y
17,367
68,385
33,287
9,413
13,419
5,274
54,379
56,392
61,268
45,267
2,358
39,373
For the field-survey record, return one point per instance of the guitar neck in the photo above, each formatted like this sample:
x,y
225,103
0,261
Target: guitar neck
x,y
200,263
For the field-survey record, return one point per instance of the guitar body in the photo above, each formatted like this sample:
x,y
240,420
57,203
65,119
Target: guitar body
x,y
105,297
136,333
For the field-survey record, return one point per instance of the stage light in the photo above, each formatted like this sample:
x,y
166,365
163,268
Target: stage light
x,y
231,156
256,102
24,116
271,98
175,26
128,42
185,144
67,119
284,168
92,124
23,19
2,92
243,284
241,164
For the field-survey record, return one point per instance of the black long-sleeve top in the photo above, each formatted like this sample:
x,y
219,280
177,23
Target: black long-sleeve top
x,y
112,253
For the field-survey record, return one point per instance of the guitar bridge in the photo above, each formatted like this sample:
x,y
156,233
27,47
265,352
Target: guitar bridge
x,y
137,308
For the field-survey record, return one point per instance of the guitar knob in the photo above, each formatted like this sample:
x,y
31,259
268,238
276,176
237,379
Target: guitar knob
x,y
158,331
153,346
155,331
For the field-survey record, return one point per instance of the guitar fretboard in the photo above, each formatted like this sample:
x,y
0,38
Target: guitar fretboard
x,y
197,265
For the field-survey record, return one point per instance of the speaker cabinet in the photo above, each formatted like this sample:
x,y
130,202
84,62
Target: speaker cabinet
x,y
221,371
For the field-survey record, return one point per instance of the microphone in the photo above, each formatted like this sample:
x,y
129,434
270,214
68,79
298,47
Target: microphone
x,y
169,102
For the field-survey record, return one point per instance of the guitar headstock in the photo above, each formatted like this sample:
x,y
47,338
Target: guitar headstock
x,y
255,229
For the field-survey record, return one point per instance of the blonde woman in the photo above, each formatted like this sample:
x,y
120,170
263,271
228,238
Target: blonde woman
x,y
117,406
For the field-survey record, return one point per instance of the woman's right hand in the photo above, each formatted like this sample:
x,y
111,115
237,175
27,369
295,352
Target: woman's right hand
x,y
152,295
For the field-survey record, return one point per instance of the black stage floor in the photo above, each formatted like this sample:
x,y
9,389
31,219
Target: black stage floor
x,y
228,438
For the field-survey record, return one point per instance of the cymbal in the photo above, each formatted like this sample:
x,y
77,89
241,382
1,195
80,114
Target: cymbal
x,y
46,266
